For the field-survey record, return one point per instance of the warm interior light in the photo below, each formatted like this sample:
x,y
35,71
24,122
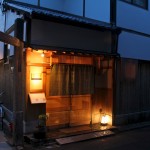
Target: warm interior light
x,y
36,76
104,120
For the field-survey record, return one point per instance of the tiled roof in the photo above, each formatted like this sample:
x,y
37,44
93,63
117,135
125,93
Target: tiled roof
x,y
40,12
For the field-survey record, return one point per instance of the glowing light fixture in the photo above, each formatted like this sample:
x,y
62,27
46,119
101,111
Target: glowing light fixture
x,y
104,120
42,55
36,76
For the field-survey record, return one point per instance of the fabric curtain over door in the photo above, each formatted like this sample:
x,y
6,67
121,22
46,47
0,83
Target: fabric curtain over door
x,y
71,80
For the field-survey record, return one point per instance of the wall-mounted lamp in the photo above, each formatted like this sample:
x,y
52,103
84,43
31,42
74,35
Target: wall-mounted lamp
x,y
36,76
42,55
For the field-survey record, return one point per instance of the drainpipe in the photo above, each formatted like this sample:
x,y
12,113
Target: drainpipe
x,y
115,68
38,3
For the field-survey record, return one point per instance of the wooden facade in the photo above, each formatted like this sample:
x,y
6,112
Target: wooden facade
x,y
69,110
132,102
120,82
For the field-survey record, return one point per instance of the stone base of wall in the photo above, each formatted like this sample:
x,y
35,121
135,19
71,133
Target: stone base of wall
x,y
124,119
30,126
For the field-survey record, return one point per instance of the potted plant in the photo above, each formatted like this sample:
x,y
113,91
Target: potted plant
x,y
41,128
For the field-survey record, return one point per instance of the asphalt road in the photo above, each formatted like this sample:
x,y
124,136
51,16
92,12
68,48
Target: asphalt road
x,y
137,139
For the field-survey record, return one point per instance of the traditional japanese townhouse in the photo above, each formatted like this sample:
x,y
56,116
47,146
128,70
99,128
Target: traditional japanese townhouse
x,y
76,65
67,65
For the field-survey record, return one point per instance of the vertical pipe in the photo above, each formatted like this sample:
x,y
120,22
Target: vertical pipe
x,y
38,3
83,8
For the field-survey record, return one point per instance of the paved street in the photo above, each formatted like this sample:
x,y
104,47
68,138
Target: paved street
x,y
137,139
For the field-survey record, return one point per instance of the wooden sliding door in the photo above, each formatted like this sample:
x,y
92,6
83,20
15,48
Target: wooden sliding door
x,y
69,89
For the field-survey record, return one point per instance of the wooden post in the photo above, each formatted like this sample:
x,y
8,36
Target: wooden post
x,y
18,85
9,39
17,80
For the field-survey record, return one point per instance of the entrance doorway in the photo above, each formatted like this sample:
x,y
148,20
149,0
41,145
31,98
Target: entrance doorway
x,y
68,91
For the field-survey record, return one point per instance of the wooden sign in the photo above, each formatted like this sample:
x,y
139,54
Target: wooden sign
x,y
37,98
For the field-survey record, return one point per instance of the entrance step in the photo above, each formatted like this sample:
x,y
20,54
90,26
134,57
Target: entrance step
x,y
39,142
82,137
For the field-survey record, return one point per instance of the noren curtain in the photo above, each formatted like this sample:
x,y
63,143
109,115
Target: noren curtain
x,y
71,79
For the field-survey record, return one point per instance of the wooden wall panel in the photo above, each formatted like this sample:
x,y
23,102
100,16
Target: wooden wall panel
x,y
58,118
72,110
132,102
1,79
144,85
55,104
7,85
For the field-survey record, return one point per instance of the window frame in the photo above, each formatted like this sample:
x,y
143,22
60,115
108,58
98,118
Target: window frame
x,y
133,3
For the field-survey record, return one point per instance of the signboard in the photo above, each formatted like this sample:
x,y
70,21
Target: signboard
x,y
37,98
52,34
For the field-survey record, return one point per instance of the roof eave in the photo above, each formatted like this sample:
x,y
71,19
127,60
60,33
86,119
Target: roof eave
x,y
92,24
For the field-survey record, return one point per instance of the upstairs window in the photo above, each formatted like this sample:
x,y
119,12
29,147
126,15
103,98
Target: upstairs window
x,y
140,3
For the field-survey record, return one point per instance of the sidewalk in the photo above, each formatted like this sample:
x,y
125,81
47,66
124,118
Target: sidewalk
x,y
4,145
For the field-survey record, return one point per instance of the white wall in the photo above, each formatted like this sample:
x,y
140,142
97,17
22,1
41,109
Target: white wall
x,y
98,10
2,17
10,19
134,46
73,7
32,2
52,4
133,17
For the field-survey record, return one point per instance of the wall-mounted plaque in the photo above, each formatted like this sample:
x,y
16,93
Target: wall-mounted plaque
x,y
37,98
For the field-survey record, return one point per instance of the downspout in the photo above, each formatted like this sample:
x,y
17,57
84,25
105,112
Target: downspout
x,y
113,6
115,68
83,8
115,37
38,3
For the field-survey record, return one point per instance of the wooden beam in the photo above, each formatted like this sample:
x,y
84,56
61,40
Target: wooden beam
x,y
9,39
18,85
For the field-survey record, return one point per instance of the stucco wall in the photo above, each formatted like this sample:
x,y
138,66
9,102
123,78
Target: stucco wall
x,y
133,17
134,46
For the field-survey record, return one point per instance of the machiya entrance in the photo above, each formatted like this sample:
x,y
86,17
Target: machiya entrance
x,y
70,88
78,91
78,88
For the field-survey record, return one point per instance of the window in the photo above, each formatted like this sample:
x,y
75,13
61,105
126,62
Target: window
x,y
140,3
